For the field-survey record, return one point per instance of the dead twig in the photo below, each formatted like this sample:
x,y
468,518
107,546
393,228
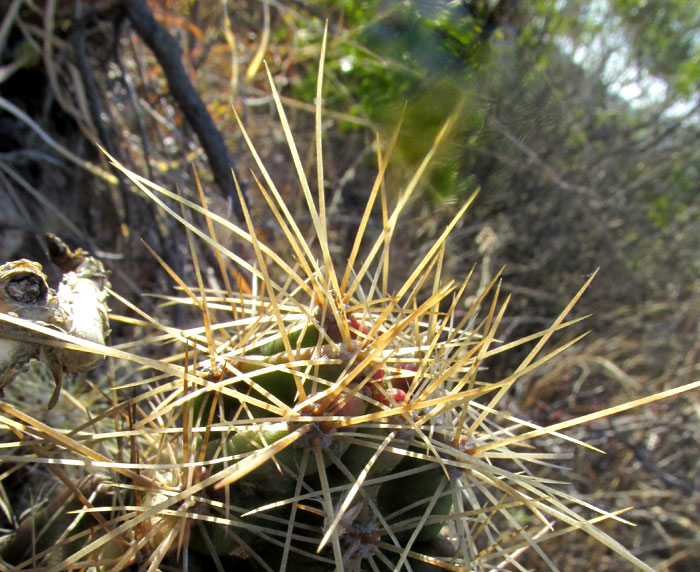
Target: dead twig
x,y
168,53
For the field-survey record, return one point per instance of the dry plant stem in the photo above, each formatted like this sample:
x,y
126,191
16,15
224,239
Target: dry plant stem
x,y
7,22
168,52
94,105
9,107
24,293
79,309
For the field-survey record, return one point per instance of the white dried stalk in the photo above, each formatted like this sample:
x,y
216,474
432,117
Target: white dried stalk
x,y
79,309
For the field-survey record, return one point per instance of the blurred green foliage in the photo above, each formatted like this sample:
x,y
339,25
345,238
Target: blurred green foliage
x,y
541,131
414,60
664,37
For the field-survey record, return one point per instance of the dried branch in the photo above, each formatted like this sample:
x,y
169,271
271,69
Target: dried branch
x,y
79,308
168,53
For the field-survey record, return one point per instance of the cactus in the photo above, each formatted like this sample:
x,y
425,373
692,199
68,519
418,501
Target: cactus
x,y
315,422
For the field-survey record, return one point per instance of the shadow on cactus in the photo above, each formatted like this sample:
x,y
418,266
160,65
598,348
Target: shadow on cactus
x,y
314,422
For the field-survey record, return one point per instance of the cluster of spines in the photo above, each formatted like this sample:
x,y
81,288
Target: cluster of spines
x,y
323,421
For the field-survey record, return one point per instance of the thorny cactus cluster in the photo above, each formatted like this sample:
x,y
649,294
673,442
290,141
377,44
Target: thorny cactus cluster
x,y
317,422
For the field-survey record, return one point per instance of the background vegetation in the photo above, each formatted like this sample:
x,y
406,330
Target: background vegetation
x,y
579,122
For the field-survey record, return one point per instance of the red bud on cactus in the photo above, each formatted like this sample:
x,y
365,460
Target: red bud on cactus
x,y
378,375
404,380
351,407
358,327
393,396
